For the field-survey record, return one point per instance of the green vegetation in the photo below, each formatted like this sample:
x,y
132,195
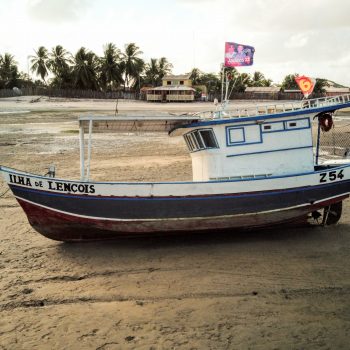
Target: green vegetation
x,y
120,70
9,74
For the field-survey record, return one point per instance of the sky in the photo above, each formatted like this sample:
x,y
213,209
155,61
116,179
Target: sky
x,y
310,37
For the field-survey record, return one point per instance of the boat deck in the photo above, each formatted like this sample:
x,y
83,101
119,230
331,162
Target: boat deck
x,y
167,122
340,101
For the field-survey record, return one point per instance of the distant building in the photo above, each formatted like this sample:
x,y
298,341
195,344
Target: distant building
x,y
175,80
329,91
175,88
262,92
334,91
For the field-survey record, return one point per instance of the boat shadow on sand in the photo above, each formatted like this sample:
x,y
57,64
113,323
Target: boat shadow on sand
x,y
198,241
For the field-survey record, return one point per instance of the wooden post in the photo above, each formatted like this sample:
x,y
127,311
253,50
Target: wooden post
x,y
89,152
82,155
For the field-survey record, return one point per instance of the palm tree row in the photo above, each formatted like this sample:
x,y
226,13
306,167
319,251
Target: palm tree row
x,y
238,81
85,70
117,70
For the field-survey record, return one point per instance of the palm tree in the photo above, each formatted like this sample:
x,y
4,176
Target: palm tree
x,y
132,64
156,70
152,72
59,63
40,63
85,69
211,81
110,68
8,71
195,76
258,79
164,68
267,82
240,82
320,86
59,60
289,82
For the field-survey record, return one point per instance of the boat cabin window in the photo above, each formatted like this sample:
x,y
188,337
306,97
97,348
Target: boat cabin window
x,y
297,124
209,138
201,139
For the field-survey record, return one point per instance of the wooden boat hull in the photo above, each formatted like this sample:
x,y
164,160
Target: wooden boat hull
x,y
68,211
66,227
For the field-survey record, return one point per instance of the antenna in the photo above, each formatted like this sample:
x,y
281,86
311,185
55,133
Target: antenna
x,y
194,49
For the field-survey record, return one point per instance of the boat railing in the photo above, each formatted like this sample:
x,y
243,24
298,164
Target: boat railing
x,y
274,108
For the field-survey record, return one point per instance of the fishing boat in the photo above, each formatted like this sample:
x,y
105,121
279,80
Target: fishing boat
x,y
252,168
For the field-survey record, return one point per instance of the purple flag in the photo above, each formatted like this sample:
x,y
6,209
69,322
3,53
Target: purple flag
x,y
237,55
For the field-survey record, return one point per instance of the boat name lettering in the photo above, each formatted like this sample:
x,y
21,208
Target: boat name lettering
x,y
20,180
331,176
69,187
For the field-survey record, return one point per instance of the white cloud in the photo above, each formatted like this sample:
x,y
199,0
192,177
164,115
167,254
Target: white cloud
x,y
308,37
56,10
297,41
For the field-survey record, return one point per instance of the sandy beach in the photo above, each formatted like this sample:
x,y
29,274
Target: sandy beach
x,y
272,289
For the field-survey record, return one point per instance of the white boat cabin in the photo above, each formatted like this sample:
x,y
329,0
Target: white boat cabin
x,y
254,142
250,149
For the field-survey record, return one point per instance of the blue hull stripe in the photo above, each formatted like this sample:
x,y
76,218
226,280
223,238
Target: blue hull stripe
x,y
273,150
186,198
184,207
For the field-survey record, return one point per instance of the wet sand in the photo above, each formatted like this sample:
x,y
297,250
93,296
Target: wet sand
x,y
274,289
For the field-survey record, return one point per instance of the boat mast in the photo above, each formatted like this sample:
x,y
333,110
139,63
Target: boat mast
x,y
222,81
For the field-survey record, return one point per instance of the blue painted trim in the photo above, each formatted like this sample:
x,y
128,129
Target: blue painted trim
x,y
20,173
233,144
229,141
274,150
208,197
287,128
271,131
266,116
318,142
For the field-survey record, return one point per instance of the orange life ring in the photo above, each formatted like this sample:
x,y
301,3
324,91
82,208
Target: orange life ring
x,y
326,122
